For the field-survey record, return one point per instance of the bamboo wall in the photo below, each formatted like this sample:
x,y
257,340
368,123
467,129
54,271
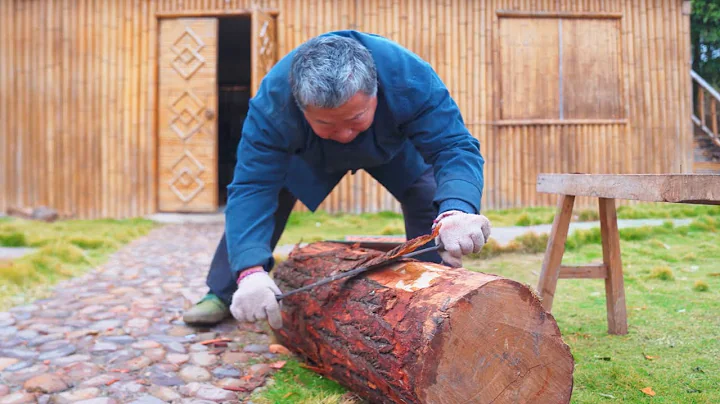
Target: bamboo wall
x,y
78,82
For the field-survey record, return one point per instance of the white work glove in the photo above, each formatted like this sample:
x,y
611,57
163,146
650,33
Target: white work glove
x,y
255,299
460,234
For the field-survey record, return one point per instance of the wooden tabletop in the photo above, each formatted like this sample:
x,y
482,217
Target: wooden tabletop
x,y
673,188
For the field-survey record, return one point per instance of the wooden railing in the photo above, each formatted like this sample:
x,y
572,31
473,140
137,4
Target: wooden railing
x,y
705,114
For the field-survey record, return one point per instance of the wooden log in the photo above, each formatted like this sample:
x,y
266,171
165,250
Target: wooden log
x,y
418,332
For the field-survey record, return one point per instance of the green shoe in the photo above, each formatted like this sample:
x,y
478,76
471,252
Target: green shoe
x,y
210,310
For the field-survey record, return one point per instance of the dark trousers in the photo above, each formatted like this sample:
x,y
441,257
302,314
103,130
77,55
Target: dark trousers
x,y
418,213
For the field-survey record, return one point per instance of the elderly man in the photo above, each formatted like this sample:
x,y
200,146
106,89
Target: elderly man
x,y
341,102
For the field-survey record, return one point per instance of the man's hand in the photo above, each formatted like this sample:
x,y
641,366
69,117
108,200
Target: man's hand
x,y
255,299
460,234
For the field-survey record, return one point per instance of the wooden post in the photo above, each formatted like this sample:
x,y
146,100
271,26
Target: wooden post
x,y
555,250
614,284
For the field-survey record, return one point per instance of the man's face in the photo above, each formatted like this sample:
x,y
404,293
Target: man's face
x,y
344,123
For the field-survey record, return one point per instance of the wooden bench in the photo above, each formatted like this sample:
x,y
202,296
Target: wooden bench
x,y
672,188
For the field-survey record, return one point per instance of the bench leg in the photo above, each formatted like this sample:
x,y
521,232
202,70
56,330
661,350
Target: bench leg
x,y
614,283
555,250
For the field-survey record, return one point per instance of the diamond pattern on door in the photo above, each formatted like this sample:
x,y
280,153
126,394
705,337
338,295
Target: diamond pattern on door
x,y
186,48
186,182
187,118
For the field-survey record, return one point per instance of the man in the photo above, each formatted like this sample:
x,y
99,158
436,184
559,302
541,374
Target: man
x,y
340,102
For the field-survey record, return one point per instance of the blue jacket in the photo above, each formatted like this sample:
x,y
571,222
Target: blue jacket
x,y
417,125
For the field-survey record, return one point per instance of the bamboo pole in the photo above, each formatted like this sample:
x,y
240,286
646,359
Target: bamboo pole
x,y
89,118
5,96
653,96
75,152
55,43
623,110
12,85
479,94
126,101
33,165
22,92
675,91
454,41
36,133
424,46
634,55
104,65
86,117
330,20
109,50
96,96
20,104
44,135
685,54
24,136
116,106
558,14
133,179
143,111
49,105
645,141
408,27
447,49
660,20
434,35
496,75
153,103
83,175
465,62
61,73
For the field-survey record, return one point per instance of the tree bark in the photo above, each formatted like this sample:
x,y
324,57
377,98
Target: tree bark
x,y
418,332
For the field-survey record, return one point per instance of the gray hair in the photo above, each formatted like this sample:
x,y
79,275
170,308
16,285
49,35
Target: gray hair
x,y
327,71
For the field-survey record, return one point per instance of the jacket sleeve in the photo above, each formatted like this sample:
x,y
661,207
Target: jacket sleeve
x,y
262,160
435,126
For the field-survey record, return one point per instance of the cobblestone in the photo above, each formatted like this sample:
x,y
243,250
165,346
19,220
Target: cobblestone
x,y
115,334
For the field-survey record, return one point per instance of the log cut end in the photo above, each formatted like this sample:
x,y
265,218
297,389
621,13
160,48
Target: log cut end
x,y
498,345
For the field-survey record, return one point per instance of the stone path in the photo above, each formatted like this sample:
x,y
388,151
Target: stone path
x,y
116,334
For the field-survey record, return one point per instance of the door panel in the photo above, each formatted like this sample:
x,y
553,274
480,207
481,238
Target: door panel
x,y
187,148
264,46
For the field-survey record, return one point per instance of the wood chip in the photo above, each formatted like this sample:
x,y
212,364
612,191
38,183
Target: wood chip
x,y
215,341
233,388
278,364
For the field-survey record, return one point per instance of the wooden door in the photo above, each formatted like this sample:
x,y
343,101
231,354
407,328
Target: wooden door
x,y
264,46
187,149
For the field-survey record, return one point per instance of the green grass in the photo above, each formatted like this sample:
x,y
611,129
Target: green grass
x,y
64,249
672,285
310,227
295,384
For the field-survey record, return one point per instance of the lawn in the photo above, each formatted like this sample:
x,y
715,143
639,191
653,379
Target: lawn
x,y
309,227
672,282
63,249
